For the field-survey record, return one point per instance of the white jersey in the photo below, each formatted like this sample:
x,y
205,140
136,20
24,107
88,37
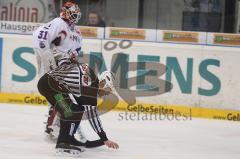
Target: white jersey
x,y
53,42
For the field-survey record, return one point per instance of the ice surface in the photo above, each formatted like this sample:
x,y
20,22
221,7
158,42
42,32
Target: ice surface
x,y
22,137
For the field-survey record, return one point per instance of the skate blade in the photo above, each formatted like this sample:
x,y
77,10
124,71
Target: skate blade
x,y
68,153
50,138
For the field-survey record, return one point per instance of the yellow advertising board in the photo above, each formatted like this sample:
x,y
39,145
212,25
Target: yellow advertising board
x,y
89,32
127,33
176,36
226,39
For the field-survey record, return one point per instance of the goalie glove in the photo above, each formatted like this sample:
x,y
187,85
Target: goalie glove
x,y
73,55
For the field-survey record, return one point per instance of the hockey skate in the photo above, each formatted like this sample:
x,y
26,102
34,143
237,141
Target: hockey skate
x,y
65,149
52,125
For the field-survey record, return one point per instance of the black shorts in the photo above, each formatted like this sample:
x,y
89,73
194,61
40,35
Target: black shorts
x,y
58,96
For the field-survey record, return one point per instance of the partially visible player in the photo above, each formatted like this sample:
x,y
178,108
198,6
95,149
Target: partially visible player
x,y
82,82
53,43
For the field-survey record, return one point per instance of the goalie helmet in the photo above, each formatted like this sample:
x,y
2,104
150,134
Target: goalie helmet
x,y
108,77
71,12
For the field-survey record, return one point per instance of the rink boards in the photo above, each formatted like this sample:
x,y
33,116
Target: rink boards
x,y
205,78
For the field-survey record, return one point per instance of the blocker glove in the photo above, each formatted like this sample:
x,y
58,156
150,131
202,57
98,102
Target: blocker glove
x,y
73,55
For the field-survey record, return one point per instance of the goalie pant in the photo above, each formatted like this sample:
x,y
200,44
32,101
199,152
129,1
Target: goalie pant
x,y
71,114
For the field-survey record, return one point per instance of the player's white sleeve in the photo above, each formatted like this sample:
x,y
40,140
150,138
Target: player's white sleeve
x,y
45,61
43,38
